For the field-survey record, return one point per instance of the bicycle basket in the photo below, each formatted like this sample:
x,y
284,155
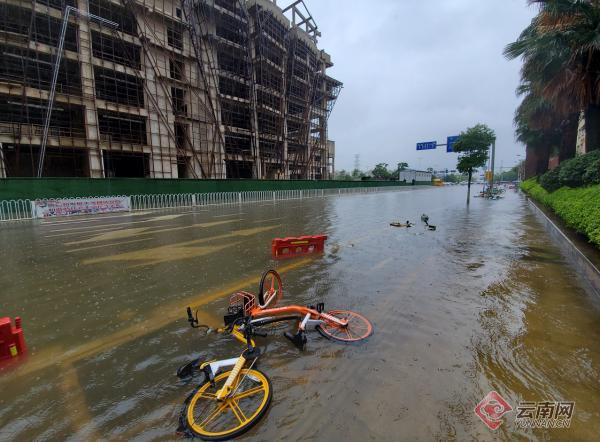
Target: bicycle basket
x,y
240,305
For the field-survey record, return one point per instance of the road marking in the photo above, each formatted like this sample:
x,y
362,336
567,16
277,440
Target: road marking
x,y
93,219
149,220
94,231
154,321
231,214
112,244
128,233
265,220
177,251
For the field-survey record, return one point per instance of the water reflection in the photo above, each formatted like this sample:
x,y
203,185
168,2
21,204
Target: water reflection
x,y
485,302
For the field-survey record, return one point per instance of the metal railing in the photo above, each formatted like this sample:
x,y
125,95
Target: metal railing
x,y
15,210
173,201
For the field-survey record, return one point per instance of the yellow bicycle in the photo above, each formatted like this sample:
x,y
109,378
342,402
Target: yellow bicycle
x,y
227,403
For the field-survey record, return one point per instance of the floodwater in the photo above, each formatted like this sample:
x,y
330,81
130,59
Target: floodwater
x,y
484,303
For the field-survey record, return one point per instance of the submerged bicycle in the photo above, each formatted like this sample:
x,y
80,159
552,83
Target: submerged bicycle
x,y
228,403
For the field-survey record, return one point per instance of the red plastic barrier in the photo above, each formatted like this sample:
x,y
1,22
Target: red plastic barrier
x,y
12,341
298,245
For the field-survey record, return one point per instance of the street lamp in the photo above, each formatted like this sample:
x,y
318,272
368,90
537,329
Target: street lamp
x,y
61,43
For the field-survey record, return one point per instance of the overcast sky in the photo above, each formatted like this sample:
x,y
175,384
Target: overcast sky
x,y
416,70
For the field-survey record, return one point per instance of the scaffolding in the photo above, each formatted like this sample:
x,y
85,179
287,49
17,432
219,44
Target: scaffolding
x,y
207,89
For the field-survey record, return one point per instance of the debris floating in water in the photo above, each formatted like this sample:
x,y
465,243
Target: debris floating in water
x,y
399,224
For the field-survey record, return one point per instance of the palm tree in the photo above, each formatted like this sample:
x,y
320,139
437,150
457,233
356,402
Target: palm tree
x,y
533,122
561,65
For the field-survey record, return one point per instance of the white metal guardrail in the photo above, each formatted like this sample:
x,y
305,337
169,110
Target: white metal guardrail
x,y
172,201
15,210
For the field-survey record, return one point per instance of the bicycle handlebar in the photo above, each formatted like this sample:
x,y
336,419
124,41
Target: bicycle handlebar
x,y
193,321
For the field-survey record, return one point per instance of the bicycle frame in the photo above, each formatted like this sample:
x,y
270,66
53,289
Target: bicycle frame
x,y
335,324
212,368
309,316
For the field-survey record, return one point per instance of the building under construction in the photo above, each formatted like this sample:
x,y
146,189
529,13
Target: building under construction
x,y
163,89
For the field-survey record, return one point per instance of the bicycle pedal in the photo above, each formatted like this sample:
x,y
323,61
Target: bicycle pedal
x,y
299,339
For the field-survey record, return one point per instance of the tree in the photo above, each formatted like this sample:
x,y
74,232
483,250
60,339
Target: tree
x,y
560,78
342,175
472,146
508,175
381,172
454,178
402,166
357,174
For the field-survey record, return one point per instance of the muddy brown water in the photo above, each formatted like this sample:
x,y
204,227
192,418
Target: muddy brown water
x,y
486,302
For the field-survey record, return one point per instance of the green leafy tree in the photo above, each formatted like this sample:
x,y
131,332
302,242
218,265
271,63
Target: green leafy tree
x,y
508,175
402,166
472,146
381,172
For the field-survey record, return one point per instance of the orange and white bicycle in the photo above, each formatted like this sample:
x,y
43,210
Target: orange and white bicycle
x,y
228,403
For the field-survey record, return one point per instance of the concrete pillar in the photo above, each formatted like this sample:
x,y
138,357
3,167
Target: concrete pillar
x,y
96,166
161,119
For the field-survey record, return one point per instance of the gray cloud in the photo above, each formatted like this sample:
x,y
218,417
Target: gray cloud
x,y
420,71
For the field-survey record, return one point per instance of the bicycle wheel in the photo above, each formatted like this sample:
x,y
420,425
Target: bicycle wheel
x,y
270,289
211,419
358,327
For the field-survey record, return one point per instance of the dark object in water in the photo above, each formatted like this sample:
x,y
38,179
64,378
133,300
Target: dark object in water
x,y
399,224
425,219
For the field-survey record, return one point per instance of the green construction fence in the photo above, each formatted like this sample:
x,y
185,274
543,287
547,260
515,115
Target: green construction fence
x,y
36,188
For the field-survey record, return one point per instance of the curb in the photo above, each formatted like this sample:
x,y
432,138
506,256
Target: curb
x,y
588,272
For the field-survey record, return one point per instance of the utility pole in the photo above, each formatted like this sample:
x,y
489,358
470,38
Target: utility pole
x,y
492,166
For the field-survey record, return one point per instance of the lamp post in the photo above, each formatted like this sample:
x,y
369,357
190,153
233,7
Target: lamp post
x,y
493,160
61,43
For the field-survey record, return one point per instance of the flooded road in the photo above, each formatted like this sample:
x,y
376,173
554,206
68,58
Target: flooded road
x,y
486,302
